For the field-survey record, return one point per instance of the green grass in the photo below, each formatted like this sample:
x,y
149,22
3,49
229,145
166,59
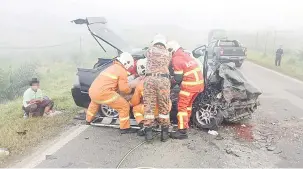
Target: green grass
x,y
55,80
290,65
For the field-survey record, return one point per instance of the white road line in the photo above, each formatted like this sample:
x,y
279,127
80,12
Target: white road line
x,y
54,146
277,73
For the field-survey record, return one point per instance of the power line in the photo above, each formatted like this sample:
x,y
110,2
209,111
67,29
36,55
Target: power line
x,y
38,47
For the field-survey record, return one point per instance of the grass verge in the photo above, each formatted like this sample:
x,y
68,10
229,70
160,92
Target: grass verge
x,y
289,65
55,82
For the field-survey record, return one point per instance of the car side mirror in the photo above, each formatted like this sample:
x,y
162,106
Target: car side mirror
x,y
200,51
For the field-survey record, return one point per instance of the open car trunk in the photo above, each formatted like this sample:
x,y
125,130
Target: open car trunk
x,y
87,76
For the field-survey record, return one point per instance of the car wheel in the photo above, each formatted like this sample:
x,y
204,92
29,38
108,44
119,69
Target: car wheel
x,y
238,64
107,111
207,117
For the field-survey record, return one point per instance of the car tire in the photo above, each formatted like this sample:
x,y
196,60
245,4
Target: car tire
x,y
106,111
238,64
213,121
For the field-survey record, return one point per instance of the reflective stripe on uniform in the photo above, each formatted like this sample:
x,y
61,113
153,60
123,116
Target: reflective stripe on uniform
x,y
136,114
90,114
110,75
179,72
123,118
141,93
164,116
147,116
192,71
196,76
115,97
184,93
192,83
180,116
189,108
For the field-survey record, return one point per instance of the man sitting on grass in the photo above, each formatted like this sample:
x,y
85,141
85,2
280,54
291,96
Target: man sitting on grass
x,y
34,104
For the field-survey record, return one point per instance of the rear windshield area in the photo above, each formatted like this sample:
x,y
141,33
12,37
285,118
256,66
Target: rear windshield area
x,y
228,44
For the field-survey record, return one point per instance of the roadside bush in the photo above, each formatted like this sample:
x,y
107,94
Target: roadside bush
x,y
291,61
14,82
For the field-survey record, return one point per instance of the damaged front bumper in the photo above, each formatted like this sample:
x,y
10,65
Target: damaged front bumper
x,y
240,110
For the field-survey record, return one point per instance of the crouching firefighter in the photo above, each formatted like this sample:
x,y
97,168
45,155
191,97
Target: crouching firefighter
x,y
104,91
157,88
137,98
188,75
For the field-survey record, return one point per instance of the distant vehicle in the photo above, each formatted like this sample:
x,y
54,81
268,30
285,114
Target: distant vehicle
x,y
226,51
216,34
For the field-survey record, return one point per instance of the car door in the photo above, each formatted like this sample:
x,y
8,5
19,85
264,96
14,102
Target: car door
x,y
210,49
200,54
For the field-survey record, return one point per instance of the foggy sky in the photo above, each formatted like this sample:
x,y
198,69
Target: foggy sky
x,y
190,14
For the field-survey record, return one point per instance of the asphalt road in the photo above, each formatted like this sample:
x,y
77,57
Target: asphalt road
x,y
276,132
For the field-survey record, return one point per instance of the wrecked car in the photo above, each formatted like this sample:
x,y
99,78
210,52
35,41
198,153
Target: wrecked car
x,y
227,95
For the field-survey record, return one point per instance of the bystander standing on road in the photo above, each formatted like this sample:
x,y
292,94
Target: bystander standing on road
x,y
279,54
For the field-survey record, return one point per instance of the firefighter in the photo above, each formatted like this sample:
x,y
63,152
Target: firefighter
x,y
188,74
136,101
197,60
104,91
157,87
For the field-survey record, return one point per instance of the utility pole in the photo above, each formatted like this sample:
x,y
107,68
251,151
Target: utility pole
x,y
256,43
265,49
80,45
274,48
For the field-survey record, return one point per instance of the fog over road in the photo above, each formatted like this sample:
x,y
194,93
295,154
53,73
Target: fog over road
x,y
276,129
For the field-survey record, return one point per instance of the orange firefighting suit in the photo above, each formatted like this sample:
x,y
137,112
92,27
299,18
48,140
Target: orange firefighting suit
x,y
136,101
104,91
189,74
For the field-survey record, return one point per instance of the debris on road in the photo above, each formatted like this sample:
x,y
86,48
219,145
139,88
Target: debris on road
x,y
219,137
212,132
270,148
278,152
232,152
50,157
86,138
4,152
22,132
191,146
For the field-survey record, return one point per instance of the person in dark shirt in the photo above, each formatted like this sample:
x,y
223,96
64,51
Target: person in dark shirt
x,y
279,54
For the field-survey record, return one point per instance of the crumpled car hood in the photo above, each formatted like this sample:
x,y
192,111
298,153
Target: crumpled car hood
x,y
235,86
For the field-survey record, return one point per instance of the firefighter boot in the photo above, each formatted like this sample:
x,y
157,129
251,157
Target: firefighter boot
x,y
179,134
129,130
164,133
148,134
141,132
